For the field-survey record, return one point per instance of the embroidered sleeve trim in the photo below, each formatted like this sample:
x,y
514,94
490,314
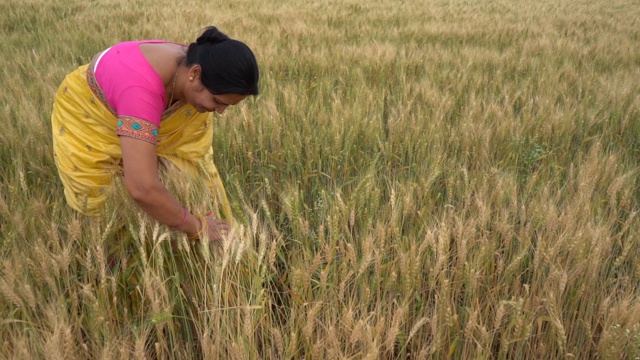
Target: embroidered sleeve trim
x,y
137,128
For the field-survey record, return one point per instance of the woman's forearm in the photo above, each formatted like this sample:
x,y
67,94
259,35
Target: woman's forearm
x,y
140,164
160,204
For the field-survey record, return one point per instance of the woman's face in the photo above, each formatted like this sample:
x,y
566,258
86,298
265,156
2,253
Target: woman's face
x,y
203,100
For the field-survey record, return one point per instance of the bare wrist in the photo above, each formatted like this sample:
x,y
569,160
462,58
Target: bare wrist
x,y
185,215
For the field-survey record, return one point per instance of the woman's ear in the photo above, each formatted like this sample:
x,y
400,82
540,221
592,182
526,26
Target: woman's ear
x,y
194,72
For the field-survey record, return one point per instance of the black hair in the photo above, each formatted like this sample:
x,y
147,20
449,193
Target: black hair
x,y
228,65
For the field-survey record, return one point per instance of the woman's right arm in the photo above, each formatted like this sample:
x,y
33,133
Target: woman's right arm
x,y
143,184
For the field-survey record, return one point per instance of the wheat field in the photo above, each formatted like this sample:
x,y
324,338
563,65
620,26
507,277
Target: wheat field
x,y
417,180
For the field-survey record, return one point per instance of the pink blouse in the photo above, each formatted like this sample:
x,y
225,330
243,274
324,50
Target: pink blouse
x,y
133,89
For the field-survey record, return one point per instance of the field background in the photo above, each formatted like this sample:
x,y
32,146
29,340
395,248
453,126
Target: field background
x,y
417,179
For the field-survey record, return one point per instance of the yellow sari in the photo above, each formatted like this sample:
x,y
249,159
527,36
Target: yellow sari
x,y
87,150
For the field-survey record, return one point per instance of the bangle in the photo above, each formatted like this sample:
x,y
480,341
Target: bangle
x,y
184,217
203,229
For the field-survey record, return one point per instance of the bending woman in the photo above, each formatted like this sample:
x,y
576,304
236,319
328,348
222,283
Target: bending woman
x,y
140,102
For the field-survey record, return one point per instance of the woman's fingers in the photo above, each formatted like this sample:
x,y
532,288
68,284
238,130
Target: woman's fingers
x,y
218,230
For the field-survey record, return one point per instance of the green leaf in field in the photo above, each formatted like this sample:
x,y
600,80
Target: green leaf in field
x,y
160,318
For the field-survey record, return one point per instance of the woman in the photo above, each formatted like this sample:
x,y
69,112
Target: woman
x,y
140,102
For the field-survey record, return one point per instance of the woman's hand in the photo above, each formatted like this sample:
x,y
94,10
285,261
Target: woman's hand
x,y
218,230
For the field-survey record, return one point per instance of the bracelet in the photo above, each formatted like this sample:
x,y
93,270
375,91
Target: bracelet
x,y
185,213
203,229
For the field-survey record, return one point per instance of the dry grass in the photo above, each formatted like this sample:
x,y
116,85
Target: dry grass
x,y
442,179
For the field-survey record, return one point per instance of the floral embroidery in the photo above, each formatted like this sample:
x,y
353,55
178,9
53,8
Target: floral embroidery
x,y
172,109
137,128
95,87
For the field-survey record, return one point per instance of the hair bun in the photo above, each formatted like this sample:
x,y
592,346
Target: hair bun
x,y
228,65
211,35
